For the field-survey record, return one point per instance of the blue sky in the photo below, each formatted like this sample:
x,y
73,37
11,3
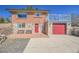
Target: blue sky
x,y
55,9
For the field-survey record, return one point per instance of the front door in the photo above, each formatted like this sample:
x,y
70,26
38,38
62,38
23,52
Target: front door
x,y
36,28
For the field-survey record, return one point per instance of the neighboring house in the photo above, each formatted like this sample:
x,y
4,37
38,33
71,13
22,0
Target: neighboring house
x,y
75,20
28,21
59,24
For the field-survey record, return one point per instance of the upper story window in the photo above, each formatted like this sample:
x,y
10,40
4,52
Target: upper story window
x,y
37,14
22,15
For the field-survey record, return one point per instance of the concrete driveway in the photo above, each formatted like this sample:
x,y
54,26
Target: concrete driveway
x,y
14,45
53,44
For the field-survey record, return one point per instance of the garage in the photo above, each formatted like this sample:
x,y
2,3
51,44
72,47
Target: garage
x,y
59,28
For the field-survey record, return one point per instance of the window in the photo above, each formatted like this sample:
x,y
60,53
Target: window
x,y
37,14
28,31
29,25
22,15
20,32
23,25
20,25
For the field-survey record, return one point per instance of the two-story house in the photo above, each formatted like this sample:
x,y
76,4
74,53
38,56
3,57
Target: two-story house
x,y
28,21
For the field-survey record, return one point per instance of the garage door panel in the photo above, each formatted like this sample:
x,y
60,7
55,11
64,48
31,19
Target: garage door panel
x,y
58,28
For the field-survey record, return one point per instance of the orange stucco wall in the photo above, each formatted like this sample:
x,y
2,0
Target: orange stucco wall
x,y
29,19
41,20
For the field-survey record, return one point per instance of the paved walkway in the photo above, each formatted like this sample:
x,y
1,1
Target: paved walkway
x,y
54,44
28,36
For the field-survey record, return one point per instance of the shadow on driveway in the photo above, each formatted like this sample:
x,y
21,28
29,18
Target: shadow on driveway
x,y
14,45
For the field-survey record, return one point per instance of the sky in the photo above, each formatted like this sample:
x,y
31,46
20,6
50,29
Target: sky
x,y
52,9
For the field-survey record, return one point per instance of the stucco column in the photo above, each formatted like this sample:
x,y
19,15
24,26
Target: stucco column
x,y
33,28
69,28
40,28
49,29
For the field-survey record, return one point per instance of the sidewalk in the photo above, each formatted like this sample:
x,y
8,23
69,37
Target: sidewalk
x,y
54,44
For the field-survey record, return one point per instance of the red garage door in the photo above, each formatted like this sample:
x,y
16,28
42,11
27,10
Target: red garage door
x,y
59,28
36,28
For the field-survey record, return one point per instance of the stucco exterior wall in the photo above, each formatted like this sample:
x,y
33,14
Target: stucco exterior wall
x,y
45,28
29,19
50,28
69,28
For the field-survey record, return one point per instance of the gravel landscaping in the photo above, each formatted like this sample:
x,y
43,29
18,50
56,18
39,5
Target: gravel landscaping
x,y
14,45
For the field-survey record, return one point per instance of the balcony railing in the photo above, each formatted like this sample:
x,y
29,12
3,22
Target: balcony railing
x,y
59,17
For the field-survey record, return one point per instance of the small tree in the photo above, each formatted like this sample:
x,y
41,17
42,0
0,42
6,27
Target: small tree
x,y
29,8
2,20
